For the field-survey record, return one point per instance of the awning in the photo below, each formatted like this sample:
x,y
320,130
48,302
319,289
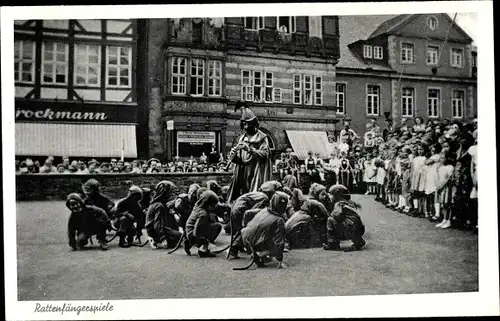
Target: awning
x,y
315,141
41,139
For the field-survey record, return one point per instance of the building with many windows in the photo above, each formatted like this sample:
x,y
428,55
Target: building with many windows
x,y
75,88
198,68
405,66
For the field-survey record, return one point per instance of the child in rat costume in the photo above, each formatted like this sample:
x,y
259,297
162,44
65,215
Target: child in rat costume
x,y
265,234
161,224
127,212
199,229
344,222
85,221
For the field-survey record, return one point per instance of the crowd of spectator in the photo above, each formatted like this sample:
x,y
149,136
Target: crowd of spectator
x,y
151,166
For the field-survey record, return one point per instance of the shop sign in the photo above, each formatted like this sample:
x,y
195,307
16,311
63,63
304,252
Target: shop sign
x,y
74,112
195,137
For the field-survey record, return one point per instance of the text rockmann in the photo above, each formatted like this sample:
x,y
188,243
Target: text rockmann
x,y
53,308
69,115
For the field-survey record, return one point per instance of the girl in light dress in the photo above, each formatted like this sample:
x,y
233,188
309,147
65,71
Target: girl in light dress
x,y
369,173
417,185
444,189
431,182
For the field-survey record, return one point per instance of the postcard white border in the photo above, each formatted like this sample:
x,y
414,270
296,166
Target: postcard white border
x,y
485,302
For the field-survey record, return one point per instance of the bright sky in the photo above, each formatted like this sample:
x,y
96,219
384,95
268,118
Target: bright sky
x,y
468,22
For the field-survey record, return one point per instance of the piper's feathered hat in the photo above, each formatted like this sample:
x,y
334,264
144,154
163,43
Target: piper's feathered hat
x,y
246,113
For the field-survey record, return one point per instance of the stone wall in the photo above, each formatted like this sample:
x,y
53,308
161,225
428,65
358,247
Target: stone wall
x,y
42,187
45,187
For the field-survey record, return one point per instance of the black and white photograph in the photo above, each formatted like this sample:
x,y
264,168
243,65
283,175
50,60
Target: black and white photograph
x,y
265,160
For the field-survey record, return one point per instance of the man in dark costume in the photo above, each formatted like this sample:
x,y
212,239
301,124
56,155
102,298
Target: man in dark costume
x,y
265,233
344,222
161,224
125,213
199,229
251,156
85,221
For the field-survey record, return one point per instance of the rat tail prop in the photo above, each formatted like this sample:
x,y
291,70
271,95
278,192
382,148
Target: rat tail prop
x,y
253,259
178,245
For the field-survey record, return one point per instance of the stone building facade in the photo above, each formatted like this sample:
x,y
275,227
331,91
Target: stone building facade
x,y
198,68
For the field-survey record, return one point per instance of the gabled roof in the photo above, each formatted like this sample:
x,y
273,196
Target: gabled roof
x,y
391,24
353,29
395,24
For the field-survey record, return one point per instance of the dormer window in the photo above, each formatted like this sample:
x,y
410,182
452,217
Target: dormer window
x,y
367,51
432,23
378,52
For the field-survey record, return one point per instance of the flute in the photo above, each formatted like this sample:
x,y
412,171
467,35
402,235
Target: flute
x,y
233,152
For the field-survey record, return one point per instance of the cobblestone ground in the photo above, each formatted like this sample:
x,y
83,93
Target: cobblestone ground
x,y
403,255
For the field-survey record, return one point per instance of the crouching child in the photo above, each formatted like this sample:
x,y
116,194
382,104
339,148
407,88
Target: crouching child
x,y
84,222
161,224
264,236
344,222
199,227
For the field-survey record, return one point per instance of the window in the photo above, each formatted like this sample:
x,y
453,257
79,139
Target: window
x,y
254,23
119,66
474,59
406,52
372,100
378,52
340,98
297,89
268,83
432,23
286,24
457,103
197,77
367,51
318,91
277,97
214,78
308,90
55,63
456,57
197,33
258,86
432,55
407,102
433,102
178,75
87,65
24,61
315,26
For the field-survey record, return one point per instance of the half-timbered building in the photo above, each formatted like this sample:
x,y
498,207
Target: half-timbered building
x,y
75,88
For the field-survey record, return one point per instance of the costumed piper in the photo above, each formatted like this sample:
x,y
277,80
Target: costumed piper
x,y
264,236
251,156
344,222
161,224
85,221
125,213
